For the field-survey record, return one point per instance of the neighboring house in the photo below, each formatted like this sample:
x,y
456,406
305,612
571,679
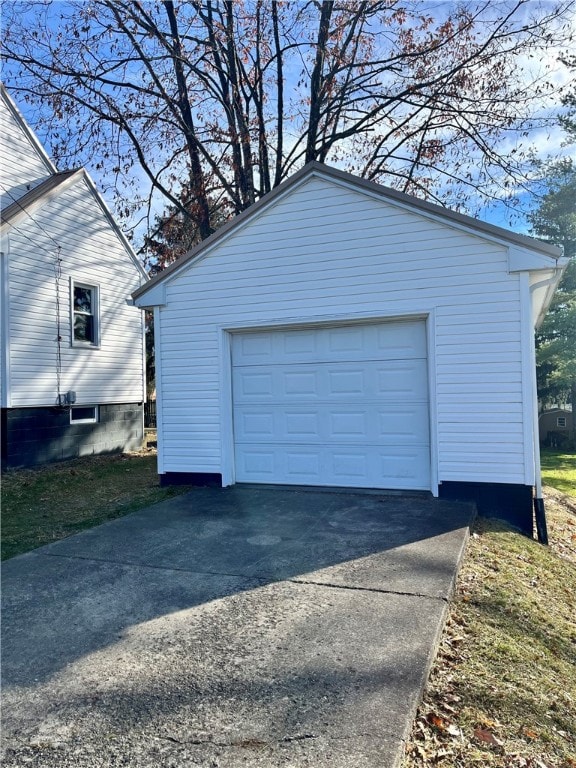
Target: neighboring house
x,y
72,343
339,333
556,427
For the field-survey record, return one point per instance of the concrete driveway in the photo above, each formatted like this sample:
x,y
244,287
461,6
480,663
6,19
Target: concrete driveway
x,y
236,627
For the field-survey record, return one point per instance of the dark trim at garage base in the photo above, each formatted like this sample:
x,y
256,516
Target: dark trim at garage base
x,y
210,479
512,503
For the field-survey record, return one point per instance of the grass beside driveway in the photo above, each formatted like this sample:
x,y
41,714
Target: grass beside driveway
x,y
559,471
43,505
502,692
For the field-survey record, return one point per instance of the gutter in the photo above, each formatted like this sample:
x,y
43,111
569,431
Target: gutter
x,y
552,284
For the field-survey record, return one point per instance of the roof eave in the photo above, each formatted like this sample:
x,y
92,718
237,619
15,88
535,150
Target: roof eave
x,y
38,196
19,117
474,226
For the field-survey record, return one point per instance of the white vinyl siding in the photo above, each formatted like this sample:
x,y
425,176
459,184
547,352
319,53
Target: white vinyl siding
x,y
327,253
22,164
91,254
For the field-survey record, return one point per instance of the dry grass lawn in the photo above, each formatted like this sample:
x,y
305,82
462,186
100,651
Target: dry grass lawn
x,y
51,502
502,691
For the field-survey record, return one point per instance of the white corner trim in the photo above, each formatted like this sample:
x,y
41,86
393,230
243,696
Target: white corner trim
x,y
227,463
143,357
432,401
529,394
6,400
159,400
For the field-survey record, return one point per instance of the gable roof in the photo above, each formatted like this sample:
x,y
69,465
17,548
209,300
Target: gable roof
x,y
28,132
23,204
472,225
53,186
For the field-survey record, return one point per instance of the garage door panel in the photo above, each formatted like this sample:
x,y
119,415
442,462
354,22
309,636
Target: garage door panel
x,y
395,381
368,424
383,341
403,380
400,340
403,424
341,406
354,467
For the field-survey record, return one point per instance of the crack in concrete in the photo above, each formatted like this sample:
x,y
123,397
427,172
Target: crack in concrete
x,y
367,589
128,564
261,580
260,743
243,743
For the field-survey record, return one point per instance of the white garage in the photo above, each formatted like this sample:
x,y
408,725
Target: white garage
x,y
340,333
337,406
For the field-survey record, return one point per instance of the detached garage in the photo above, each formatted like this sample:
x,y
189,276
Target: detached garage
x,y
339,333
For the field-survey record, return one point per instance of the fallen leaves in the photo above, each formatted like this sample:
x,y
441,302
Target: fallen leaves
x,y
501,694
487,737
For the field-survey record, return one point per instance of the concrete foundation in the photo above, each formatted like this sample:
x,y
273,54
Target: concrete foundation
x,y
33,436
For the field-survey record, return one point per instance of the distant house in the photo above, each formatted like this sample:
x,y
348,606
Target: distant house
x,y
556,427
72,343
339,333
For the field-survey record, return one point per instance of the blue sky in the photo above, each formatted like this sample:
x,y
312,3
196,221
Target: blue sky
x,y
546,142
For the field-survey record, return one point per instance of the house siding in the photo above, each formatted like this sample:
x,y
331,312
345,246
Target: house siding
x,y
23,164
73,227
327,253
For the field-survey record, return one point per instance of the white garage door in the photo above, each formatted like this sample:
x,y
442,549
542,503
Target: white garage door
x,y
339,406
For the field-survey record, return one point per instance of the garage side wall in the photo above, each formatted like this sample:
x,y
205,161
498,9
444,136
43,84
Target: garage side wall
x,y
326,252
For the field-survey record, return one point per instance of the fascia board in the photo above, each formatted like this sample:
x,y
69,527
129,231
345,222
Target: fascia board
x,y
437,212
155,297
524,260
51,194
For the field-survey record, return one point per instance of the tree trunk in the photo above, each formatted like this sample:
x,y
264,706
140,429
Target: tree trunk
x,y
197,185
316,81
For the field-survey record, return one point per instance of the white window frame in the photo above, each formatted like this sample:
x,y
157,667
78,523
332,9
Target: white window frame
x,y
93,420
561,422
95,289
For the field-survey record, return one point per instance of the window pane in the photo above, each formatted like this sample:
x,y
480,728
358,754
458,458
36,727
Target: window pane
x,y
84,328
87,413
82,299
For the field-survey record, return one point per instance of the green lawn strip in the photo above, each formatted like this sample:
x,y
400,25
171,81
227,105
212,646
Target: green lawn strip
x,y
503,688
559,471
43,505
